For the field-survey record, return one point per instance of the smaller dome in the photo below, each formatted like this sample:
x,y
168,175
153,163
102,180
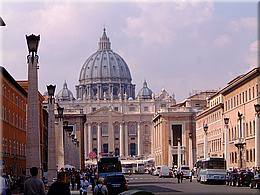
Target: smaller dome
x,y
145,92
65,94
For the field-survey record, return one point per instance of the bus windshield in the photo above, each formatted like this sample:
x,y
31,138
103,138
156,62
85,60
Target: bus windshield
x,y
109,165
214,163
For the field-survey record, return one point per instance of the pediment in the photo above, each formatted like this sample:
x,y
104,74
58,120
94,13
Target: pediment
x,y
105,111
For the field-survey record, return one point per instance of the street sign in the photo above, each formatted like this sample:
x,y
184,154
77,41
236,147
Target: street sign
x,y
92,155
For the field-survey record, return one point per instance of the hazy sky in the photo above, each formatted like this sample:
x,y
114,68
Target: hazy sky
x,y
177,45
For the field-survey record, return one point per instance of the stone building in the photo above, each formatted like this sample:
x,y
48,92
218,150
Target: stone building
x,y
106,114
177,123
236,140
13,100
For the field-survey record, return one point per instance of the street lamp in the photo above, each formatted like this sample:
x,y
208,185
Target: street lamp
x,y
226,121
257,135
52,161
240,142
190,150
33,152
33,43
205,127
60,138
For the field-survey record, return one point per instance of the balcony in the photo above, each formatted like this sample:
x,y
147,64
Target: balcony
x,y
174,149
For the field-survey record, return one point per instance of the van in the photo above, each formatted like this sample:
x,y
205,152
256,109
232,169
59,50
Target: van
x,y
186,171
165,172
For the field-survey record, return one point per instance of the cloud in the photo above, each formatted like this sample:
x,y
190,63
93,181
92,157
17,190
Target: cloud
x,y
243,23
251,57
160,23
222,40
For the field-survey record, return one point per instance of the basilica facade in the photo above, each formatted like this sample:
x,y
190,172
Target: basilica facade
x,y
106,114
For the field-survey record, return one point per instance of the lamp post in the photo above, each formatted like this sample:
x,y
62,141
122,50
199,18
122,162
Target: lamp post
x,y
240,141
59,138
226,121
190,151
257,135
33,152
179,152
205,127
52,161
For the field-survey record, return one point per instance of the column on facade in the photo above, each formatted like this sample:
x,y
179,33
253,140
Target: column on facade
x,y
205,145
89,138
85,141
190,151
138,139
126,139
226,146
179,153
99,139
121,135
59,144
257,140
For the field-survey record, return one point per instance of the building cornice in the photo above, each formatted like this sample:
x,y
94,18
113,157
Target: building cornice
x,y
209,111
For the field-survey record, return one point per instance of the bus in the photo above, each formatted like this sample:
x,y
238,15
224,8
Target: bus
x,y
213,170
127,168
138,167
109,166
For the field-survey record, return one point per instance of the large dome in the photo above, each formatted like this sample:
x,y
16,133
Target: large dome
x,y
104,65
105,75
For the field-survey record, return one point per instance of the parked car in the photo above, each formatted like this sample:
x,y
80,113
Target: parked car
x,y
244,178
165,171
116,183
157,170
255,182
186,171
232,179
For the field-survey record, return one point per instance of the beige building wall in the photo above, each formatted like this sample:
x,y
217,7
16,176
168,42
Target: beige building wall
x,y
239,96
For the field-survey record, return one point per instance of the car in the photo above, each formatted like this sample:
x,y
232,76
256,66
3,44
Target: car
x,y
165,172
157,170
244,178
116,183
232,178
186,171
255,182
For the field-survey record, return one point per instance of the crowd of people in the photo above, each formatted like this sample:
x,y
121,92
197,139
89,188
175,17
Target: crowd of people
x,y
67,180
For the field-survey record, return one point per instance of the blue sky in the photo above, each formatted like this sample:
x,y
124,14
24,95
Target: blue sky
x,y
177,45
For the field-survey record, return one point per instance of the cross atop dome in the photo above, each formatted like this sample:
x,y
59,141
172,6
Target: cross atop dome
x,y
104,43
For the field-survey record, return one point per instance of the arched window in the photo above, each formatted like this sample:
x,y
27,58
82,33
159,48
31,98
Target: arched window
x,y
94,131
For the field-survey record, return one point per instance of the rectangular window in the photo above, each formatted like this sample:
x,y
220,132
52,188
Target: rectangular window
x,y
246,96
177,133
116,108
131,108
146,109
104,130
243,97
257,91
93,109
253,92
249,94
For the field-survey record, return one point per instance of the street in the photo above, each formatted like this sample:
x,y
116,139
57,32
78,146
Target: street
x,y
169,186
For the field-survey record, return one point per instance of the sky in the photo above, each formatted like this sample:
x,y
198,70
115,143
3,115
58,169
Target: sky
x,y
182,46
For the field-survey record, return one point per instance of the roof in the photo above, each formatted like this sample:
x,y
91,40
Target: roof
x,y
5,73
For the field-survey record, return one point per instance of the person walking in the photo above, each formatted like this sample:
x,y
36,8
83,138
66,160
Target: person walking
x,y
100,188
33,185
84,186
60,186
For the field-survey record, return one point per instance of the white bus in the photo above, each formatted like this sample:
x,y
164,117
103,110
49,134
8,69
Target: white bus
x,y
213,170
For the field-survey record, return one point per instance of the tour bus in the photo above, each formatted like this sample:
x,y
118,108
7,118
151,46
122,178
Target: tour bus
x,y
213,170
127,167
138,167
109,166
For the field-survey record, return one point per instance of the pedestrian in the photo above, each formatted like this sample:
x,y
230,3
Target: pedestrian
x,y
34,185
72,180
181,176
190,175
84,186
178,176
100,188
60,186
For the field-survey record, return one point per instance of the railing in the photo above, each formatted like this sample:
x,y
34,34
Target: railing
x,y
174,149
